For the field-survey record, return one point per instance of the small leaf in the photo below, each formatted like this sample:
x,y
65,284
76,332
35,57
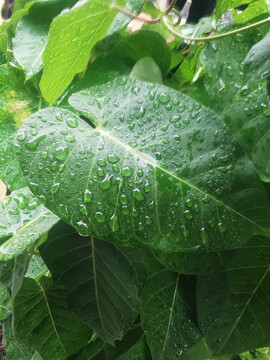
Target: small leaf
x,y
147,70
36,268
24,219
71,39
43,321
223,5
233,304
167,316
99,280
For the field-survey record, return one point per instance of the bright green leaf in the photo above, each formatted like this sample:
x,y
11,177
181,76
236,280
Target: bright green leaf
x,y
36,268
99,280
223,5
254,9
113,181
43,321
24,220
71,39
233,304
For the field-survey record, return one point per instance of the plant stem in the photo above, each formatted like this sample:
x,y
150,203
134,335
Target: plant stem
x,y
173,2
218,36
137,17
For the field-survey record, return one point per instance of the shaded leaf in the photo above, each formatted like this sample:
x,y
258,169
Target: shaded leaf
x,y
23,219
167,315
257,60
5,302
234,303
168,180
223,5
12,272
190,263
72,36
17,102
43,321
92,348
98,277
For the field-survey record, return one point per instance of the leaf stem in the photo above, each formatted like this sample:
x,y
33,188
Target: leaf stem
x,y
218,36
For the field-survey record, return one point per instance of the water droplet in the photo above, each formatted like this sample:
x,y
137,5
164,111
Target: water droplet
x,y
106,182
112,158
175,119
61,153
138,195
88,196
72,122
127,171
22,201
164,98
21,136
100,217
55,188
188,215
101,162
113,223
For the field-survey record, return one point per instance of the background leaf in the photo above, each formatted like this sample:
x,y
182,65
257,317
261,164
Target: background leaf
x,y
23,219
168,318
43,321
99,280
233,304
17,102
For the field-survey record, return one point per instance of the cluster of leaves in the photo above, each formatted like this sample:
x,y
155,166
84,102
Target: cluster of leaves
x,y
138,221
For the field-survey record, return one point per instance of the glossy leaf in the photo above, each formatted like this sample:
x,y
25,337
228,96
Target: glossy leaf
x,y
99,280
72,36
233,304
167,316
258,59
254,9
17,102
43,321
23,219
32,34
243,104
36,268
113,181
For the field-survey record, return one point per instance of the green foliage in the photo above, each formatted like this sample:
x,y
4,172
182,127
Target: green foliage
x,y
138,222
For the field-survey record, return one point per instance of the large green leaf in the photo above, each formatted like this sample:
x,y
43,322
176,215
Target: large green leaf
x,y
158,170
243,104
234,303
167,315
43,321
23,219
254,9
32,34
17,102
72,36
94,347
258,59
99,280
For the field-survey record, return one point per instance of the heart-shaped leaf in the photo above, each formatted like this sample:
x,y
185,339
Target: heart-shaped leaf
x,y
158,169
99,279
43,321
233,303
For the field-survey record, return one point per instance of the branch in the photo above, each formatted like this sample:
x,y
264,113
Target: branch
x,y
137,17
